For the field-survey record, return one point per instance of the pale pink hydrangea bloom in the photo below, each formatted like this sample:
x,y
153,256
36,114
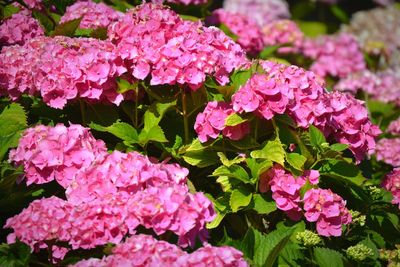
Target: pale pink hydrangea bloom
x,y
337,55
382,86
19,28
153,40
211,122
262,11
62,69
94,15
394,127
248,33
388,151
328,210
56,153
283,32
392,184
144,250
285,190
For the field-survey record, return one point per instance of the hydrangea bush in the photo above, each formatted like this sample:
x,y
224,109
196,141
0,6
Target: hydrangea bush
x,y
196,133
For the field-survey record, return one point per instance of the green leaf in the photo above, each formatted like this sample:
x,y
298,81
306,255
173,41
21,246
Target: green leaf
x,y
339,13
67,28
155,113
268,51
155,134
317,138
14,255
327,257
273,151
296,160
240,77
233,171
270,245
312,28
125,86
229,162
228,31
190,18
10,10
216,222
101,114
339,147
122,130
240,198
234,119
200,158
342,169
262,206
44,20
226,183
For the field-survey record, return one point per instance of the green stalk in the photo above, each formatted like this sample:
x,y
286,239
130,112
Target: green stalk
x,y
185,116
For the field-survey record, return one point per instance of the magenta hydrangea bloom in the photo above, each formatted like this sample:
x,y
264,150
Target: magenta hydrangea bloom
x,y
19,28
327,209
56,153
152,40
283,32
392,184
144,250
394,127
211,122
182,2
62,69
94,15
388,151
312,176
285,190
34,4
337,55
263,11
248,32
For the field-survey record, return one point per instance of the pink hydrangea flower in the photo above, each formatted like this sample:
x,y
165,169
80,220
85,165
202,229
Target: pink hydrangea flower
x,y
182,2
327,209
56,153
61,69
312,176
392,184
34,4
283,32
248,32
263,11
285,190
394,127
154,41
19,28
144,250
337,56
211,122
94,15
388,151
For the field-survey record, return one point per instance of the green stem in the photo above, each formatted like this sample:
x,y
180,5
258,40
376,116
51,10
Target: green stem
x,y
83,111
185,116
136,107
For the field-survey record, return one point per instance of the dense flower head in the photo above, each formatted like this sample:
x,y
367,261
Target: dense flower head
x,y
283,32
337,56
211,122
94,15
18,29
392,184
285,190
248,33
376,29
359,252
56,153
61,69
327,209
153,40
308,238
394,127
182,2
388,151
263,11
382,86
144,250
123,172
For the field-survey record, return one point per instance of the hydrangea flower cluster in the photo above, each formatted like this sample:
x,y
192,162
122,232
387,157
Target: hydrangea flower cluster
x,y
183,2
109,196
327,209
56,153
263,11
283,32
376,29
382,86
151,39
308,238
248,32
337,55
19,28
94,15
211,122
394,127
359,252
285,191
299,94
392,184
143,250
34,4
62,69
